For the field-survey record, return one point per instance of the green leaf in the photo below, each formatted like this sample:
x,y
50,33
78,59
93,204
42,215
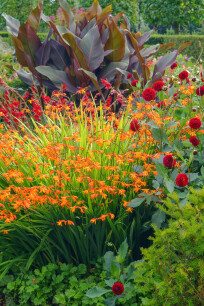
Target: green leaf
x,y
115,270
159,135
161,169
96,292
110,282
202,171
158,218
122,252
60,298
110,301
169,185
108,257
136,202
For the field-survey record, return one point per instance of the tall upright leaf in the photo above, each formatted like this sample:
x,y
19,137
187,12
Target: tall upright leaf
x,y
92,48
116,41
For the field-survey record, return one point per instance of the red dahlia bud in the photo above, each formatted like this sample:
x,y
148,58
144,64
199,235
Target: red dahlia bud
x,y
149,94
183,75
158,86
195,152
200,91
195,123
129,76
194,140
181,180
118,288
134,83
193,79
134,126
168,161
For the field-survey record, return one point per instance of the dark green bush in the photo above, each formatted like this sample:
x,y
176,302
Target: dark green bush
x,y
193,50
172,272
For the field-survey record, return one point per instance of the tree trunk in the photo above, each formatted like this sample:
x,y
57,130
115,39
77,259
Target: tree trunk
x,y
177,28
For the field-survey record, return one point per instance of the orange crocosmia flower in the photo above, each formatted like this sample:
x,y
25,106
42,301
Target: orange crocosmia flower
x,y
5,231
93,220
60,222
112,216
69,222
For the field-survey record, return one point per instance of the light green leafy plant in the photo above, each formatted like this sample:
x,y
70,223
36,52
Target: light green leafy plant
x,y
172,272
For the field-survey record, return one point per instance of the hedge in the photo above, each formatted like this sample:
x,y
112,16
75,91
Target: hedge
x,y
193,50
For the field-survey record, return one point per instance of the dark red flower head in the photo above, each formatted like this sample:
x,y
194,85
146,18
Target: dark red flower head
x,y
161,105
129,76
183,75
118,288
149,94
200,91
174,65
134,83
134,126
194,140
158,86
168,161
181,180
195,123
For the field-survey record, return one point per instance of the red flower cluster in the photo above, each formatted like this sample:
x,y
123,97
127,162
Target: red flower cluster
x,y
181,180
168,161
173,66
134,83
37,111
200,91
183,75
194,140
158,86
161,105
134,126
195,123
106,84
118,288
149,94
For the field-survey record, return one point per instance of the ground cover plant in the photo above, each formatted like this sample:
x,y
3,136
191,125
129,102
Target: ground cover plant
x,y
81,178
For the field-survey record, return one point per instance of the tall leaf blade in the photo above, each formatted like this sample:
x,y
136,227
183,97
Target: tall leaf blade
x,y
12,24
162,64
69,17
57,77
116,41
35,16
92,48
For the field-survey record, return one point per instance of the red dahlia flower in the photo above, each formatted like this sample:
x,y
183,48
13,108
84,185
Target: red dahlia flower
x,y
200,91
118,288
183,75
134,126
181,180
158,86
149,94
168,161
194,140
134,83
174,65
195,123
129,76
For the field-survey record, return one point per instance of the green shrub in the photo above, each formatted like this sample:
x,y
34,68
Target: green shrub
x,y
172,271
193,50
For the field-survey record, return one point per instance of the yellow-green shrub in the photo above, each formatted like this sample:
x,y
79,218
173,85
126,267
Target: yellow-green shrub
x,y
172,271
